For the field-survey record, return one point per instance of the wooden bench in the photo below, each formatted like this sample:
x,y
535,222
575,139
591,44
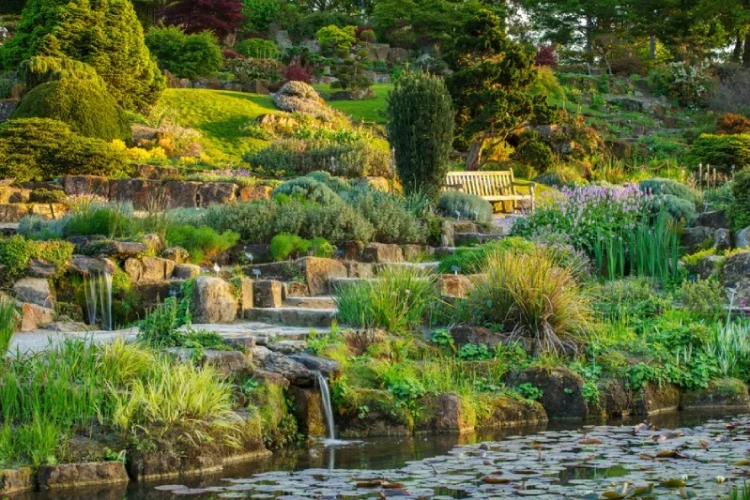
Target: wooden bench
x,y
493,186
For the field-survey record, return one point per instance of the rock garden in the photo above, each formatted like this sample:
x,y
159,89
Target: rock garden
x,y
470,254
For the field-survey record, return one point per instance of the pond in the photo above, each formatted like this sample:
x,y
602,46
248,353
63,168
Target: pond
x,y
674,456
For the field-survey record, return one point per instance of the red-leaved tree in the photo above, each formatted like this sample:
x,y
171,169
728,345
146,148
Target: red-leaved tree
x,y
546,55
222,17
298,72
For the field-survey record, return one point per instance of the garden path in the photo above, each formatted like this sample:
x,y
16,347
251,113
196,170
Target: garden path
x,y
39,340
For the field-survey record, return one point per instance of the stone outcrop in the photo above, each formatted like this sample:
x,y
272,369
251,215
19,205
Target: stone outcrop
x,y
382,253
268,293
35,291
724,394
213,301
34,316
736,274
561,388
694,237
81,474
149,269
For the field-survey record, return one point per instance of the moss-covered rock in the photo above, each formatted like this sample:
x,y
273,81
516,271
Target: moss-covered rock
x,y
370,412
655,398
503,411
724,394
562,396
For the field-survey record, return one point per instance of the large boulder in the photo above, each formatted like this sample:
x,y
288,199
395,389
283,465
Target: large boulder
x,y
736,274
722,239
315,272
83,264
180,194
742,238
113,248
35,291
695,237
708,266
299,97
562,396
213,301
308,410
186,271
382,253
716,219
34,316
476,335
723,394
268,293
217,193
294,371
327,367
149,269
455,285
140,192
12,480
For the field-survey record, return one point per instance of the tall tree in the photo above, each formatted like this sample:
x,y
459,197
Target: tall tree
x,y
490,84
222,17
104,34
420,129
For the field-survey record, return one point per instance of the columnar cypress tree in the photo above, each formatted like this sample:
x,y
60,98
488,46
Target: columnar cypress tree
x,y
420,129
104,33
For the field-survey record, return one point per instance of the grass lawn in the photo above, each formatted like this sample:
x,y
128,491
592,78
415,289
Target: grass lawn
x,y
219,116
369,110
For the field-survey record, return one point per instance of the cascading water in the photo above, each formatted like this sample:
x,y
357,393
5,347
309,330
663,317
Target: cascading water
x,y
97,286
325,394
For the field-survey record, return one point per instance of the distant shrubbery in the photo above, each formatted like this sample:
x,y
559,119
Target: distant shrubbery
x,y
740,209
258,48
300,157
202,243
721,151
247,70
183,55
43,149
285,245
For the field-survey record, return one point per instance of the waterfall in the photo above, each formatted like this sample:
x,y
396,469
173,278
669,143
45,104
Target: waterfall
x,y
97,287
325,394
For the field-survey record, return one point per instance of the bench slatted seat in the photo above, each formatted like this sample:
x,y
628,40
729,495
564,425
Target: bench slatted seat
x,y
493,186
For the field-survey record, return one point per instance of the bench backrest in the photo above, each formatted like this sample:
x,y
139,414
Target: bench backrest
x,y
493,183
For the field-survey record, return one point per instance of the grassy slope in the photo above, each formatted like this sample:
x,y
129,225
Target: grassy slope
x,y
369,110
219,115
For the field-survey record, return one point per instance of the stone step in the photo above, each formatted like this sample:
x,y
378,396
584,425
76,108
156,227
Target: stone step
x,y
8,228
295,316
425,267
317,302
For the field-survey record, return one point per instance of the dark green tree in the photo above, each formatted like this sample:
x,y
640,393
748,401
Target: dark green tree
x,y
83,105
105,34
12,6
490,85
420,130
183,55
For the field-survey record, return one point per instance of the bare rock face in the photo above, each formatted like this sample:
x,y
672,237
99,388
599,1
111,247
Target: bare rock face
x,y
149,269
81,474
736,274
213,301
12,480
86,185
381,253
34,316
35,291
267,293
186,271
716,219
455,285
294,371
742,238
694,237
561,388
217,193
722,239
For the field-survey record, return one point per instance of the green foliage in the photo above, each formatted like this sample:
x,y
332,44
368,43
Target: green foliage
x,y
491,94
247,70
636,297
160,327
530,391
42,149
687,84
307,188
371,304
8,324
529,295
258,222
203,243
679,209
333,38
472,260
285,245
258,48
389,215
702,297
534,152
81,104
16,253
351,71
420,130
463,205
95,219
729,345
300,157
474,352
105,34
721,151
668,187
740,208
185,56
43,69
259,14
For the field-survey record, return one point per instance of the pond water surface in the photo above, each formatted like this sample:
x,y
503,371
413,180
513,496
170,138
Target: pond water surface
x,y
675,456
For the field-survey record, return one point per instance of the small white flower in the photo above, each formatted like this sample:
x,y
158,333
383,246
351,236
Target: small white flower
x,y
720,479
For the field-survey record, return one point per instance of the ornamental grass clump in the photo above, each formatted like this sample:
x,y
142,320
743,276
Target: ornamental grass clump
x,y
8,323
396,301
530,297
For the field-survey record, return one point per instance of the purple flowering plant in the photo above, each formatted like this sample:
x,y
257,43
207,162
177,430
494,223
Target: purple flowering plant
x,y
586,213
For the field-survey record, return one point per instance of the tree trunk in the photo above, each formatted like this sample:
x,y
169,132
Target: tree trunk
x,y
652,47
474,158
746,51
737,51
